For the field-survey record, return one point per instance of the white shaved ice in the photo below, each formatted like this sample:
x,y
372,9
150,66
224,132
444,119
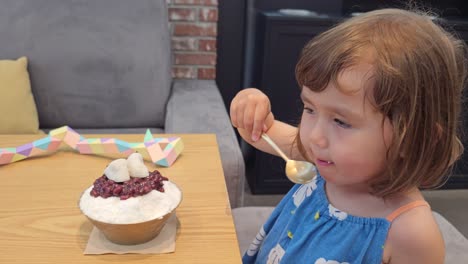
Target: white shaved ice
x,y
138,209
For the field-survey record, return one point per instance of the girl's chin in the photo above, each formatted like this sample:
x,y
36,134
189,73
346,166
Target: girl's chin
x,y
334,178
327,176
359,185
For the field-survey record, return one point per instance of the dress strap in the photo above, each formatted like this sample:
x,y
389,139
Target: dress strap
x,y
406,208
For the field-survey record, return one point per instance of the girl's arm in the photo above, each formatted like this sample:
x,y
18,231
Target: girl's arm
x,y
415,238
284,135
251,115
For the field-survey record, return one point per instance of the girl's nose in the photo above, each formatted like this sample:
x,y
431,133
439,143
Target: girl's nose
x,y
318,135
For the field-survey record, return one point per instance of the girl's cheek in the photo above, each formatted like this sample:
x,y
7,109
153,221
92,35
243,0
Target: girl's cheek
x,y
304,131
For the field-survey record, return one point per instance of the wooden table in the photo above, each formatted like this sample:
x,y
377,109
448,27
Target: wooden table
x,y
40,221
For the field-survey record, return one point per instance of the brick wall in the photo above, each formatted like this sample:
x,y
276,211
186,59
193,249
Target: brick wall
x,y
193,25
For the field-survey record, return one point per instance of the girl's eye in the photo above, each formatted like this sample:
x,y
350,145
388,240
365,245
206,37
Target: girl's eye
x,y
308,110
341,123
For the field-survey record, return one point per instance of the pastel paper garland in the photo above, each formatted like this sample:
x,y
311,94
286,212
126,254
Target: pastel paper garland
x,y
161,151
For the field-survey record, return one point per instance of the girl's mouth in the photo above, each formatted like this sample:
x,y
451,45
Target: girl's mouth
x,y
324,162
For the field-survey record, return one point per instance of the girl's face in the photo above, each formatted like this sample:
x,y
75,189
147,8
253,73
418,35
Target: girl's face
x,y
342,132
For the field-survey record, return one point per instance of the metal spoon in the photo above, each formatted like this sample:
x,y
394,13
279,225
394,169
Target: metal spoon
x,y
297,171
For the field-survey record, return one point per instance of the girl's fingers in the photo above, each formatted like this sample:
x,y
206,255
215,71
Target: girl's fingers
x,y
249,110
249,113
259,119
239,117
233,113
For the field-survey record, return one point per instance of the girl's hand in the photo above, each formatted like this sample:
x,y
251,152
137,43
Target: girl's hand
x,y
251,113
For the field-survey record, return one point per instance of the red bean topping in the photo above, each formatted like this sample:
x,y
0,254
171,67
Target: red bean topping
x,y
132,188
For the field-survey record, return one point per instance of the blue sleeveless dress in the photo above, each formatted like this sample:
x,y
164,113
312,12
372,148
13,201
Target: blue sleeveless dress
x,y
306,228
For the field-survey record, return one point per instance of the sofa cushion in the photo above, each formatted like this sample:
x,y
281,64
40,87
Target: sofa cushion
x,y
456,245
196,106
93,64
248,221
19,114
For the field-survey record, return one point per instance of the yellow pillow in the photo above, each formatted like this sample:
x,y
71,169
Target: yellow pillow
x,y
18,113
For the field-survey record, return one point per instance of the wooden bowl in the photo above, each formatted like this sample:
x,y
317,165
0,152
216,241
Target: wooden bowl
x,y
131,234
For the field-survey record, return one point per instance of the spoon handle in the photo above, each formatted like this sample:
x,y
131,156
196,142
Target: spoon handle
x,y
274,146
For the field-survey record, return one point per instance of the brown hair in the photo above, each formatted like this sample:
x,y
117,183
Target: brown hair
x,y
419,74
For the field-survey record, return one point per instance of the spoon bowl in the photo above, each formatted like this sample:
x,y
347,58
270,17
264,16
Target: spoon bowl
x,y
300,172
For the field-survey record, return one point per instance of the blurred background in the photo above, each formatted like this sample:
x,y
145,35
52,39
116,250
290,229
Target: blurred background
x,y
258,44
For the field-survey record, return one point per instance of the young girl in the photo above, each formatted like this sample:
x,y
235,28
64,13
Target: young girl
x,y
381,96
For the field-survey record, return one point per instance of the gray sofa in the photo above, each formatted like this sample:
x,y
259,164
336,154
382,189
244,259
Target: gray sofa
x,y
104,66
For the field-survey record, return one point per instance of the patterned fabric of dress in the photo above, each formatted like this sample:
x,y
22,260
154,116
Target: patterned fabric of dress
x,y
306,228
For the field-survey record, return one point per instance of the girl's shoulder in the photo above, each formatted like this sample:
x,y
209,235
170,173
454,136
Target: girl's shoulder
x,y
414,237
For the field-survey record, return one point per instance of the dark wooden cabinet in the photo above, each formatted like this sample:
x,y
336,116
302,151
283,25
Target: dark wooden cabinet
x,y
278,40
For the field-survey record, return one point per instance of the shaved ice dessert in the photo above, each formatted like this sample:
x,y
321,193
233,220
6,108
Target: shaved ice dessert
x,y
128,203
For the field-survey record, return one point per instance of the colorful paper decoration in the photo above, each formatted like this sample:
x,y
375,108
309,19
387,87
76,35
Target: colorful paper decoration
x,y
161,151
